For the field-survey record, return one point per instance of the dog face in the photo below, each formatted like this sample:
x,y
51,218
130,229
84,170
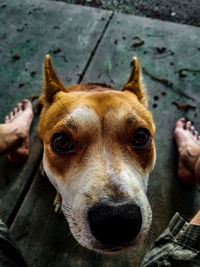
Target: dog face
x,y
98,152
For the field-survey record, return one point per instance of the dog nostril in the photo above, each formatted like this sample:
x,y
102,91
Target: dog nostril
x,y
115,222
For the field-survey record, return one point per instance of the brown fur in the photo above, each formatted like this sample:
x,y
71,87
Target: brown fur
x,y
105,101
100,122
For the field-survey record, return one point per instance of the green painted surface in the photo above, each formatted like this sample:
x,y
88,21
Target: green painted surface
x,y
167,49
29,31
44,238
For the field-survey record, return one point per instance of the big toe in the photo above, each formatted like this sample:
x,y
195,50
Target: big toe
x,y
180,126
181,123
26,104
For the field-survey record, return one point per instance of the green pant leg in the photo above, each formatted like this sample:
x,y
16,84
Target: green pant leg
x,y
178,246
9,253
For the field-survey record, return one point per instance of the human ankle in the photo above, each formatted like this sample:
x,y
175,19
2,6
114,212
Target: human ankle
x,y
197,169
196,219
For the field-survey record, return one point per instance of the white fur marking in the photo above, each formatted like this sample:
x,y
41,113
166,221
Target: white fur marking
x,y
84,117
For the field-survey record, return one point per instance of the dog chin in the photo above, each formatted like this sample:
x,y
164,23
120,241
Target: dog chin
x,y
115,249
111,250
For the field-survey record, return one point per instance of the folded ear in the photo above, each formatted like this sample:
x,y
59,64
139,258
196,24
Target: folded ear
x,y
52,84
134,83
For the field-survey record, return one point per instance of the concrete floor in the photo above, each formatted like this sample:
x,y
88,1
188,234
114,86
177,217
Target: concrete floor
x,y
96,45
184,11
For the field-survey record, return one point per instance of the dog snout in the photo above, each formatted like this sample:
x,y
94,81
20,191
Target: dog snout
x,y
115,221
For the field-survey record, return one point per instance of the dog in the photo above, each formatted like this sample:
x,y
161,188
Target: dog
x,y
98,152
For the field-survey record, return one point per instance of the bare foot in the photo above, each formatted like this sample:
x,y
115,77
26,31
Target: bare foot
x,y
188,142
9,138
19,121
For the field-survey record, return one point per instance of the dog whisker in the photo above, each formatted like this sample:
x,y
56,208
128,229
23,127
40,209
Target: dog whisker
x,y
87,195
67,216
63,106
66,205
67,208
66,213
136,104
70,121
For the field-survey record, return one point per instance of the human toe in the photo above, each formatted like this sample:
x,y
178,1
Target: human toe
x,y
188,125
6,119
26,103
11,115
19,106
196,133
181,123
192,128
15,110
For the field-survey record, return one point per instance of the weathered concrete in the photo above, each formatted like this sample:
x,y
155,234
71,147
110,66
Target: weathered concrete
x,y
183,11
167,48
28,32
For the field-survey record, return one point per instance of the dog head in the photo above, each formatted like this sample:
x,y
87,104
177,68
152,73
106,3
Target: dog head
x,y
98,153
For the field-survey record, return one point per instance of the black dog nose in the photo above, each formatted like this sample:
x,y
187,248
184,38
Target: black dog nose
x,y
115,221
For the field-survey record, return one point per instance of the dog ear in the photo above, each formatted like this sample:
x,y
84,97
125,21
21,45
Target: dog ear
x,y
52,84
134,83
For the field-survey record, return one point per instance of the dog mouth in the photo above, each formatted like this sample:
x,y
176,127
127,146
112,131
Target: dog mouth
x,y
113,249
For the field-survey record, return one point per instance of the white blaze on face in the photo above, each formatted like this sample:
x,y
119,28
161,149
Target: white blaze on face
x,y
133,182
84,117
54,179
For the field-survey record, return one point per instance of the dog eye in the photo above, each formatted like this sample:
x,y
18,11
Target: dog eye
x,y
62,143
141,138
